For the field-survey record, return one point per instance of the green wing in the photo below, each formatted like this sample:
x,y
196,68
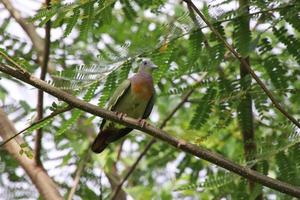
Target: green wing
x,y
116,96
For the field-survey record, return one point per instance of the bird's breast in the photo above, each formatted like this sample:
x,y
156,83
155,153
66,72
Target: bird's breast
x,y
142,87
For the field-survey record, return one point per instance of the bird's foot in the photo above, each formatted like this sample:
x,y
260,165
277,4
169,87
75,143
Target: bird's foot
x,y
120,115
180,143
143,123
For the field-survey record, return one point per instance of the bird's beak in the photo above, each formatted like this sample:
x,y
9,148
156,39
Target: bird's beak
x,y
154,67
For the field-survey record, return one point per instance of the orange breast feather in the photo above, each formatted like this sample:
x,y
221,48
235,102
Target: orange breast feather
x,y
142,88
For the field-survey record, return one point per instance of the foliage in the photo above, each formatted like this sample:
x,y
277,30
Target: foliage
x,y
101,43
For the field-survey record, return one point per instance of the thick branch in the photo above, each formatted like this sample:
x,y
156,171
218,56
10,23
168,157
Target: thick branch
x,y
40,98
39,177
245,65
155,132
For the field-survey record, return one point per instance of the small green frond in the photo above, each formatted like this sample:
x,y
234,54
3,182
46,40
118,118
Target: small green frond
x,y
130,13
276,72
68,123
291,15
123,72
260,102
44,13
292,43
71,21
77,113
91,91
219,180
108,88
212,182
195,42
87,21
39,125
265,46
242,35
49,15
203,109
162,60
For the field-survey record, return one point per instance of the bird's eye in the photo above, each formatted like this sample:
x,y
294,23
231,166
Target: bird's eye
x,y
145,63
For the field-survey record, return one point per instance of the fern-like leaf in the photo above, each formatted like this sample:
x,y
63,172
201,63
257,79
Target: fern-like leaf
x,y
108,88
71,21
77,113
87,21
203,109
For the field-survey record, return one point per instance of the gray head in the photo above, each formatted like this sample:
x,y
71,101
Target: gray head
x,y
147,65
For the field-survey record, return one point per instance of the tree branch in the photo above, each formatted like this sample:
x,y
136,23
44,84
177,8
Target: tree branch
x,y
197,151
245,65
40,98
45,185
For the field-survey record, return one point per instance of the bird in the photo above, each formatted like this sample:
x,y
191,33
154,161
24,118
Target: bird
x,y
134,97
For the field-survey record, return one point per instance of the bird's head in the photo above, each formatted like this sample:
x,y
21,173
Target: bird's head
x,y
147,65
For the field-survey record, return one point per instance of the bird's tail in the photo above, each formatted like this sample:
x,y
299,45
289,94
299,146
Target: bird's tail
x,y
107,136
100,143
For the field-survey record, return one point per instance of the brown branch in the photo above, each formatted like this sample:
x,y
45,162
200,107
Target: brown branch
x,y
114,181
40,98
78,172
120,151
45,185
195,150
57,112
245,65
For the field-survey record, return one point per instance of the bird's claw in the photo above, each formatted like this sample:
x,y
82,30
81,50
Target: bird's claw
x,y
121,115
180,143
143,123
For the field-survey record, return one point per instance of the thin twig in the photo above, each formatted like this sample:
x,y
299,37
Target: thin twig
x,y
57,112
245,64
78,172
195,150
9,59
40,97
153,140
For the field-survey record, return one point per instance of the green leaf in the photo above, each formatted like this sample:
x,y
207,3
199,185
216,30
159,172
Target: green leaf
x,y
71,21
203,109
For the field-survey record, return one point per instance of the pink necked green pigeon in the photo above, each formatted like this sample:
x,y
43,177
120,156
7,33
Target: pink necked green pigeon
x,y
135,98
